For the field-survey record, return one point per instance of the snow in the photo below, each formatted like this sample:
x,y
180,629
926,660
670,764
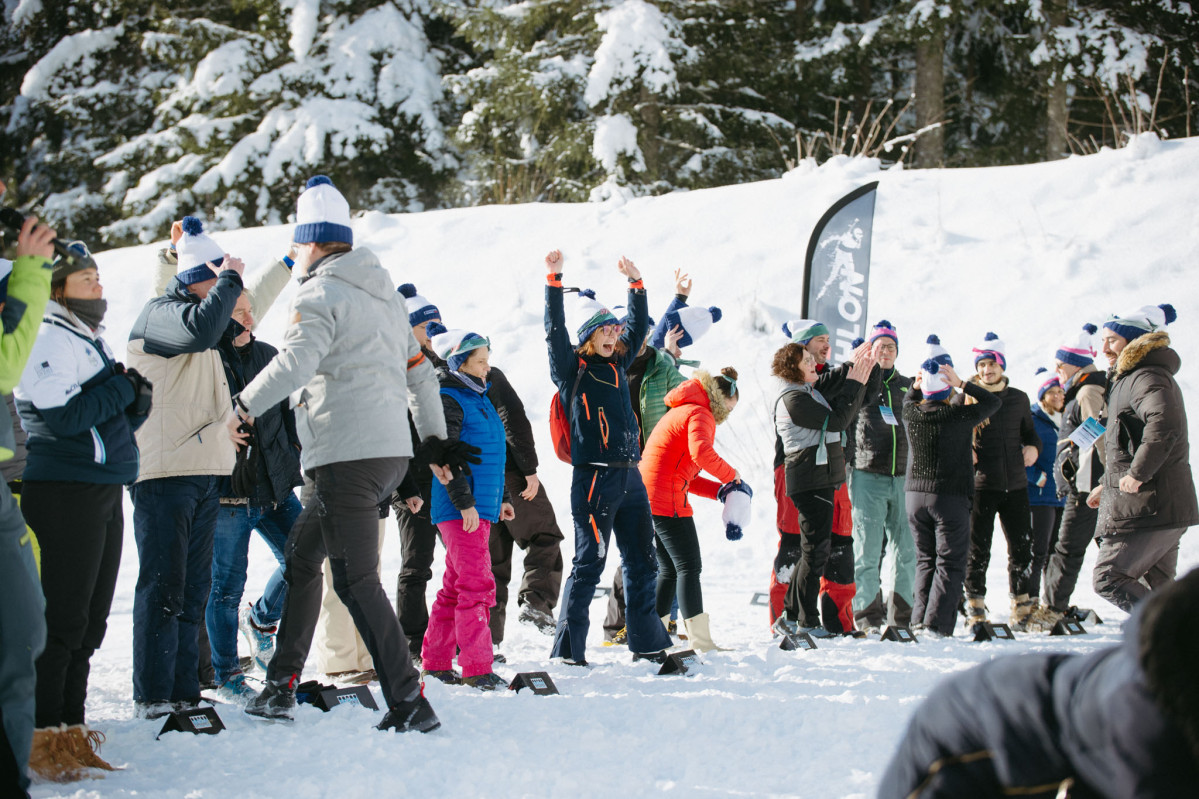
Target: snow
x,y
303,22
615,134
71,52
637,43
1030,252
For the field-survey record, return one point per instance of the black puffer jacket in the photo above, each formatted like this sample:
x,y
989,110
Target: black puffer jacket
x,y
998,443
875,445
1147,438
279,446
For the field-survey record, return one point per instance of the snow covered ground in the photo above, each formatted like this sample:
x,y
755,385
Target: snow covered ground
x,y
1031,252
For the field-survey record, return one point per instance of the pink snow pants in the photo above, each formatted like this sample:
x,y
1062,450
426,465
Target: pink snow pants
x,y
461,614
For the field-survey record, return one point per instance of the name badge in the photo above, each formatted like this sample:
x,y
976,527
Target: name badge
x,y
888,415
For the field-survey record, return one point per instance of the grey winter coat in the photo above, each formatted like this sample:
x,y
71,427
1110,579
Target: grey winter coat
x,y
1147,438
351,366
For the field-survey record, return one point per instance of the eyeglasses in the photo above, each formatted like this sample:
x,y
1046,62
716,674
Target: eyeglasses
x,y
888,348
609,329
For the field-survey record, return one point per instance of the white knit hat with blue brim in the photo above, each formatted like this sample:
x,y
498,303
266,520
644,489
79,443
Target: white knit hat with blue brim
x,y
195,252
419,309
991,348
932,383
322,214
454,346
1145,319
694,321
801,331
591,315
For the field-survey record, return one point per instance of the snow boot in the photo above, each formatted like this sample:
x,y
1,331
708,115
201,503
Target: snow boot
x,y
261,640
411,714
539,619
51,758
1021,613
698,634
236,690
485,682
447,676
85,746
976,611
277,702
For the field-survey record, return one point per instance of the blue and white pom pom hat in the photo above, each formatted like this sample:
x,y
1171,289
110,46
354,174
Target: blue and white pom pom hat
x,y
322,214
932,382
1145,319
195,251
991,348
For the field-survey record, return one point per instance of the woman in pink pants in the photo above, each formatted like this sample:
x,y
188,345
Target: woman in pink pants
x,y
463,510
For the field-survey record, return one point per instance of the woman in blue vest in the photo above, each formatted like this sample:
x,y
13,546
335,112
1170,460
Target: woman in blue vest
x,y
80,408
463,510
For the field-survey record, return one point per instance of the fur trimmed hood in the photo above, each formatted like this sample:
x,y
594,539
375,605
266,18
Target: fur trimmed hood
x,y
1149,349
702,385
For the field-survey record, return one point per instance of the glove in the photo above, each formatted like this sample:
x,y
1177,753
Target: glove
x,y
736,498
245,471
143,392
457,455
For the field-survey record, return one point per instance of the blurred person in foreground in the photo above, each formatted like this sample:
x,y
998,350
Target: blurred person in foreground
x,y
22,607
1117,723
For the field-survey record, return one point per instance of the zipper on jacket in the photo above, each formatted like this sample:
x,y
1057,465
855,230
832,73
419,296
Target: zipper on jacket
x,y
586,408
603,427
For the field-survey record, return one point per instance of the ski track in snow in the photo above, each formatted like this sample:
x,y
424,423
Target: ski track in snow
x,y
1030,252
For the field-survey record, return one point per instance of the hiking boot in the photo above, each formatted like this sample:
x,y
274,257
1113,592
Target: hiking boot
x,y
51,757
619,638
1042,618
354,677
784,626
447,676
261,640
976,611
85,746
236,690
1021,613
277,702
485,682
533,617
413,714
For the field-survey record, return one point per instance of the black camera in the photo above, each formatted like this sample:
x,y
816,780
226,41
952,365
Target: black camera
x,y
78,257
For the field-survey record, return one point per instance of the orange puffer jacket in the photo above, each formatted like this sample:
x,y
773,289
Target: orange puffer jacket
x,y
679,447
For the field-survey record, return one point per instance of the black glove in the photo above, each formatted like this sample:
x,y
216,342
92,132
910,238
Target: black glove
x,y
143,392
457,455
245,471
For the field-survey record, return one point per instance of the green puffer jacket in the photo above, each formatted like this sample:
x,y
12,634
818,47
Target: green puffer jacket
x,y
29,291
661,376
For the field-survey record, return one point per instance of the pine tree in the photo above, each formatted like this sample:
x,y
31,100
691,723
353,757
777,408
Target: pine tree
x,y
226,115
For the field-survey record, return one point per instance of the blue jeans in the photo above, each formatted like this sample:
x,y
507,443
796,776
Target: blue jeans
x,y
607,500
230,548
173,523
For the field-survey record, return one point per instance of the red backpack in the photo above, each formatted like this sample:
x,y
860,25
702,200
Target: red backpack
x,y
560,418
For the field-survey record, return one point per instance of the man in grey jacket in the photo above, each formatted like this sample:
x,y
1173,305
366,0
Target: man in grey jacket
x,y
343,364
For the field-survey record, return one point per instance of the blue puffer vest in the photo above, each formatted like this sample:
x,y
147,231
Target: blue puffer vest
x,y
481,427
